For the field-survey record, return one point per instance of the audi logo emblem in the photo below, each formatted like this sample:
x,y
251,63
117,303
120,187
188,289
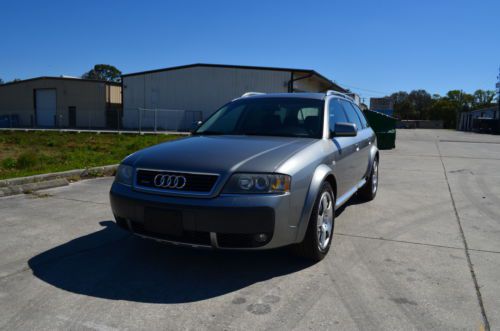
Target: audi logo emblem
x,y
170,181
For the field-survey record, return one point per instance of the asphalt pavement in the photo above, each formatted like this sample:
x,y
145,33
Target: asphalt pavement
x,y
425,254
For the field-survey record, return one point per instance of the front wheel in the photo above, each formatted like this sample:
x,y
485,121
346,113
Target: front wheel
x,y
369,190
319,235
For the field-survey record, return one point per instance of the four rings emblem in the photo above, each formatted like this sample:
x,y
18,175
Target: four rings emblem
x,y
170,181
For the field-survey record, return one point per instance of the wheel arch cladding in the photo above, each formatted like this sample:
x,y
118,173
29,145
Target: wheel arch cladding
x,y
374,154
321,174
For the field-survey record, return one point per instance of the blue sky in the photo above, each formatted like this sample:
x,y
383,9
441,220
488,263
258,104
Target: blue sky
x,y
378,47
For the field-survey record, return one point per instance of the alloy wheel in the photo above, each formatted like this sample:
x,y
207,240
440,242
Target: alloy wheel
x,y
325,220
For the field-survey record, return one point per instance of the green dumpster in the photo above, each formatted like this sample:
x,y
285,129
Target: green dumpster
x,y
384,127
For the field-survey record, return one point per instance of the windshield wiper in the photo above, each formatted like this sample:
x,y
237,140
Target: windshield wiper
x,y
272,134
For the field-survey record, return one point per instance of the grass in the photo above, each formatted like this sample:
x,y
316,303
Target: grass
x,y
31,153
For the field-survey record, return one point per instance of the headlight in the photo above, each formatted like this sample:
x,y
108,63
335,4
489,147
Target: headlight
x,y
124,174
258,183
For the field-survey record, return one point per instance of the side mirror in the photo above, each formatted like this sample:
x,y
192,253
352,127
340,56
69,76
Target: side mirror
x,y
343,129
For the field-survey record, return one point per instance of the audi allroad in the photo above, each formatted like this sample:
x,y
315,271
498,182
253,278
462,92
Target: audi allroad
x,y
264,171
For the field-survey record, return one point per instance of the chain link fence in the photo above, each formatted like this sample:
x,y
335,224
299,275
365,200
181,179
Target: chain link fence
x,y
147,119
9,121
117,119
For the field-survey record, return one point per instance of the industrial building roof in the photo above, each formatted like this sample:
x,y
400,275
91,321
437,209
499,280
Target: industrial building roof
x,y
305,71
60,78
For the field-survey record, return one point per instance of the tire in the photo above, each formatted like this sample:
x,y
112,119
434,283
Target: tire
x,y
313,247
369,191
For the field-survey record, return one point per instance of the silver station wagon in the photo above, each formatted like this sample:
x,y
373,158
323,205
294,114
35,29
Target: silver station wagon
x,y
264,171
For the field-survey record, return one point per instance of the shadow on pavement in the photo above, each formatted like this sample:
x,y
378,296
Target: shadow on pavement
x,y
353,201
113,264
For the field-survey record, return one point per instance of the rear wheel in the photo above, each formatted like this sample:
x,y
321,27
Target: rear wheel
x,y
369,190
319,235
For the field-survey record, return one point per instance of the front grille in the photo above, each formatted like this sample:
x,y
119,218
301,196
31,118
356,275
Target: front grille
x,y
200,183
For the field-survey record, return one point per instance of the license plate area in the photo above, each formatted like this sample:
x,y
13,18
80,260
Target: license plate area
x,y
163,221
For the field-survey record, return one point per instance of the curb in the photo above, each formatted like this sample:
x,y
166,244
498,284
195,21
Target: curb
x,y
99,131
40,182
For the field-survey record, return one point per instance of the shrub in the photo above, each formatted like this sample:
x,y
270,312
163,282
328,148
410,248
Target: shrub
x,y
26,160
9,163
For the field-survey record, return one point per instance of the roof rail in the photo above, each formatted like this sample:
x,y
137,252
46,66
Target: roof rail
x,y
332,92
249,94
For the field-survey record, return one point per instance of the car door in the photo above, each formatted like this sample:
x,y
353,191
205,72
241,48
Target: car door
x,y
359,159
367,138
345,163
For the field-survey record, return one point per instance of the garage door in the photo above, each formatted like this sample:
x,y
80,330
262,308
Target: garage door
x,y
46,107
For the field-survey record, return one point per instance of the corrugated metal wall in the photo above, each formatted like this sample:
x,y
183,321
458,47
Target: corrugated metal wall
x,y
88,97
202,89
467,118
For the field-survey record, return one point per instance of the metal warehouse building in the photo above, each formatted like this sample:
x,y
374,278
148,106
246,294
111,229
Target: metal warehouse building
x,y
480,119
173,98
60,102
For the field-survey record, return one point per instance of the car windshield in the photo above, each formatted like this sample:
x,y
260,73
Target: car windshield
x,y
287,117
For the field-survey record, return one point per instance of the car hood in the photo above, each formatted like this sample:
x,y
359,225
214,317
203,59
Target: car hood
x,y
220,154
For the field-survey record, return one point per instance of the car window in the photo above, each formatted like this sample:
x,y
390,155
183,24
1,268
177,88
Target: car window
x,y
225,119
351,114
336,113
281,116
361,116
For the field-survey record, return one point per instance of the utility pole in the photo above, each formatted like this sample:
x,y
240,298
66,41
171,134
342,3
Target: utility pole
x,y
498,91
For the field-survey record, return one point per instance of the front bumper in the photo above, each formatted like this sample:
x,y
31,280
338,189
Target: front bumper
x,y
226,221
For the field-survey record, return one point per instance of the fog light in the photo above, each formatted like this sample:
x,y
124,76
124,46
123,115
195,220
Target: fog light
x,y
261,237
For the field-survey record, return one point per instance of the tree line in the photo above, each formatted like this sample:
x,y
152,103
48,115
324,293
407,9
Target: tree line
x,y
421,105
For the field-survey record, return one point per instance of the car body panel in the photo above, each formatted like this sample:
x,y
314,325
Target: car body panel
x,y
138,201
346,159
361,154
221,155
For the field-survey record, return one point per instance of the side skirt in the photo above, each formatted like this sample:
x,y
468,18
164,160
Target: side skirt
x,y
343,199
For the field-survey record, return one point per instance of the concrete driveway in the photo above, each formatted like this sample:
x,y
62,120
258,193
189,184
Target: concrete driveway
x,y
425,254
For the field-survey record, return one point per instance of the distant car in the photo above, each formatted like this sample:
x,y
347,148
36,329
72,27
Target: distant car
x,y
264,171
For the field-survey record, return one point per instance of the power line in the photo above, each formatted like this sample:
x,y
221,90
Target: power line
x,y
363,89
